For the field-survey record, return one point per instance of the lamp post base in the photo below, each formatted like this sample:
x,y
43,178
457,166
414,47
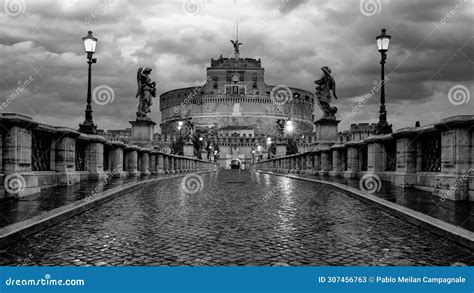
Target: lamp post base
x,y
383,128
88,127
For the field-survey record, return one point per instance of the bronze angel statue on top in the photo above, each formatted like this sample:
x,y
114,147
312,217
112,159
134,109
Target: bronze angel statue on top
x,y
236,45
325,92
146,91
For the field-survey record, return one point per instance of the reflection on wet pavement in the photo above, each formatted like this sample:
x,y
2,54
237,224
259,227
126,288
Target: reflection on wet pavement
x,y
238,218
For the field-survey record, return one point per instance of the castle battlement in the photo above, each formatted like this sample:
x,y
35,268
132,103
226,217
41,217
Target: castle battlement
x,y
235,63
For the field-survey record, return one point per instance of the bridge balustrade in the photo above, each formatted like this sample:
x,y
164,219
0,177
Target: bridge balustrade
x,y
436,157
35,156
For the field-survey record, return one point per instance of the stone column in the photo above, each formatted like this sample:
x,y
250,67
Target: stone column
x,y
65,157
95,156
18,180
166,164
153,165
457,167
160,164
344,160
336,152
317,163
375,154
326,162
171,166
308,163
132,160
353,163
405,175
117,159
145,161
186,165
179,165
302,163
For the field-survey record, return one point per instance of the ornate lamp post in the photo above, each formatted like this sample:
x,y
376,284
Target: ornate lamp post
x,y
383,127
259,153
289,127
88,126
269,146
180,126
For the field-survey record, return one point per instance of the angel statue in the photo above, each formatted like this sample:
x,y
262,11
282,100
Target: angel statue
x,y
146,90
236,45
325,92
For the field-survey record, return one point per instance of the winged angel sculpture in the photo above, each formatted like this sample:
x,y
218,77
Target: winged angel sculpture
x,y
146,91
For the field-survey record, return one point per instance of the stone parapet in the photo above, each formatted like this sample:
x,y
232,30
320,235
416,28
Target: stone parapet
x,y
438,158
34,155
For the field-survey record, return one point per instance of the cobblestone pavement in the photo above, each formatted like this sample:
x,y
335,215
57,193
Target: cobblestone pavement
x,y
238,218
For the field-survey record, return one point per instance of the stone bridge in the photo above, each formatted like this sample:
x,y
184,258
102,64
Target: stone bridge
x,y
438,158
34,156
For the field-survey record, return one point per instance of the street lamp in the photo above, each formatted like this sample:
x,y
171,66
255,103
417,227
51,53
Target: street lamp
x,y
180,126
269,144
289,126
383,41
88,126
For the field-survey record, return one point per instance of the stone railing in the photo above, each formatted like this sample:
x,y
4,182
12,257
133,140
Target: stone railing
x,y
35,156
438,158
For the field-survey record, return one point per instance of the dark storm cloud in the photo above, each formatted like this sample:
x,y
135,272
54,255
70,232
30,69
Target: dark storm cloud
x,y
287,6
432,49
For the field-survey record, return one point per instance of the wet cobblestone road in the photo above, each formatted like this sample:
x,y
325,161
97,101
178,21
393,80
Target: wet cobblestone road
x,y
238,218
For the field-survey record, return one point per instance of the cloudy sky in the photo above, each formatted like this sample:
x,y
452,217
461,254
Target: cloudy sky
x,y
430,66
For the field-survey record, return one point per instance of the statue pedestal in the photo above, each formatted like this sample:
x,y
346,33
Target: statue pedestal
x,y
188,150
326,132
142,131
280,150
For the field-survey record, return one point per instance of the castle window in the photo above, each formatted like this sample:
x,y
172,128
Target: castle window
x,y
229,76
306,98
215,86
235,89
215,78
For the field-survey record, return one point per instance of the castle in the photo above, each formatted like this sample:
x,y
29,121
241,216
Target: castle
x,y
236,101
